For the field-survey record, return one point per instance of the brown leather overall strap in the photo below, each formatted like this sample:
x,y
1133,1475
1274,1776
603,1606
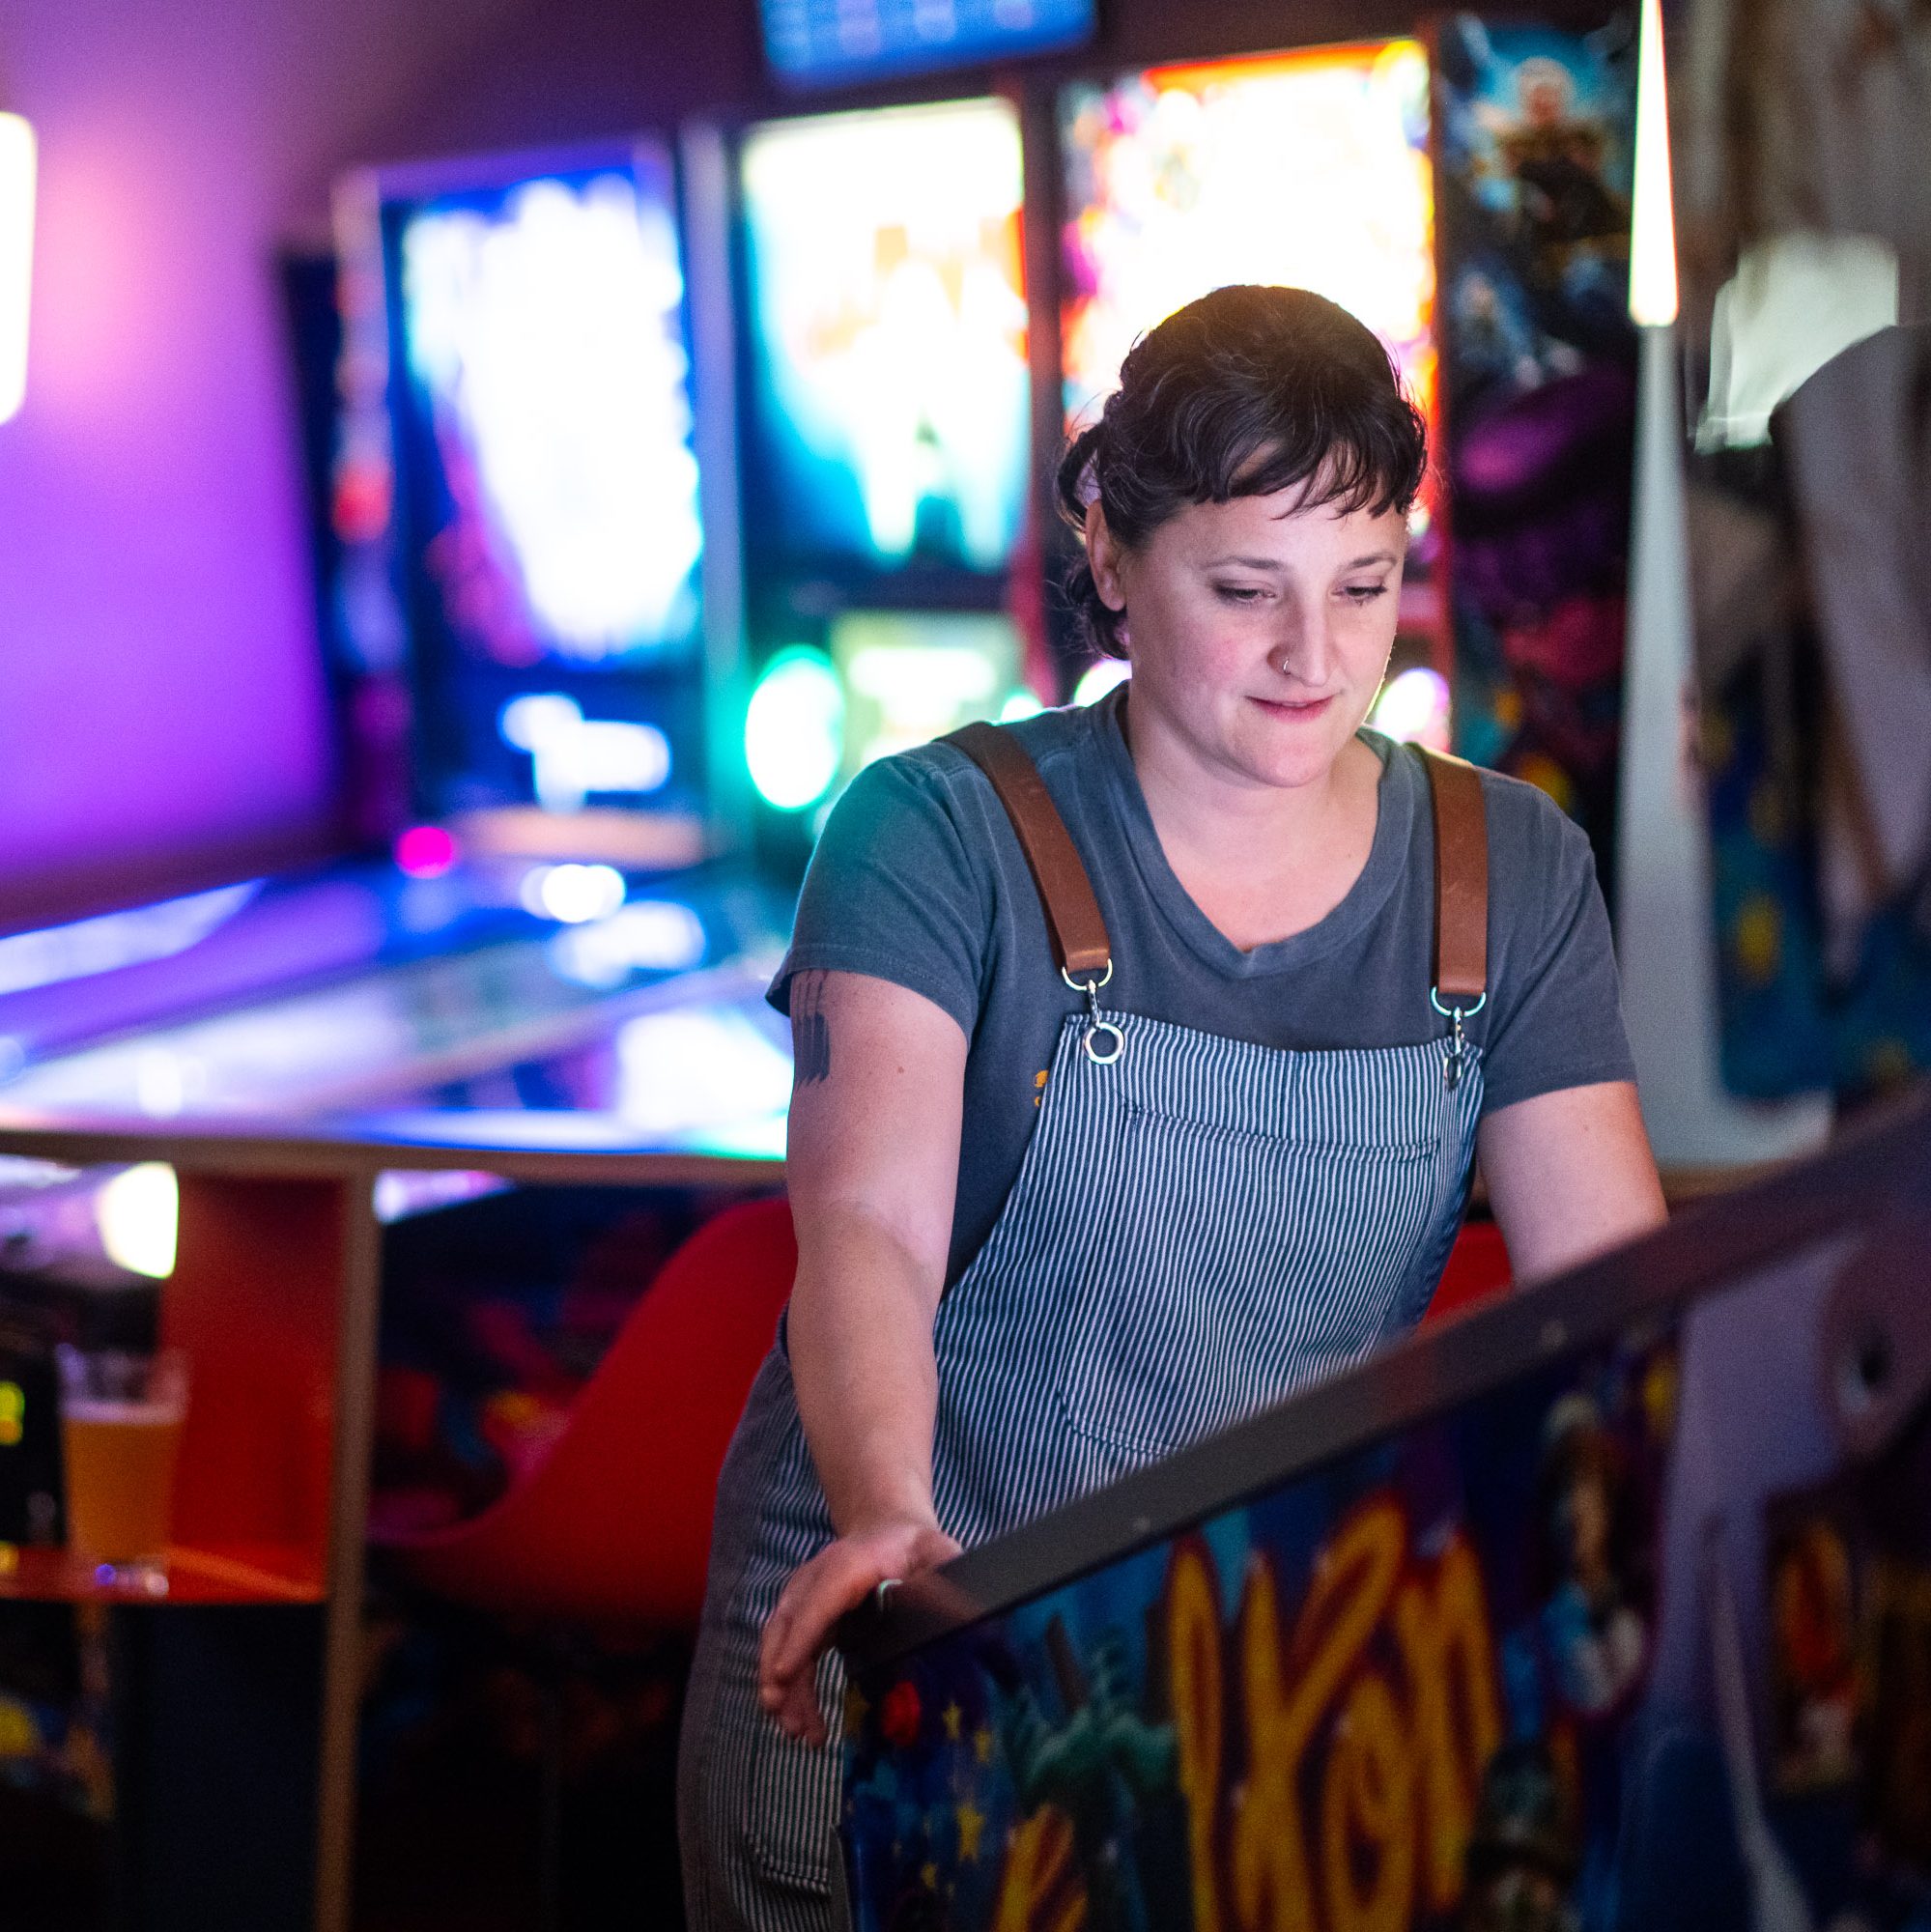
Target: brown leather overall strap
x,y
1078,930
1461,879
1072,914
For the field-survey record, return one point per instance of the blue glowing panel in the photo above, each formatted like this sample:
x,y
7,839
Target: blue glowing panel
x,y
820,42
888,398
547,507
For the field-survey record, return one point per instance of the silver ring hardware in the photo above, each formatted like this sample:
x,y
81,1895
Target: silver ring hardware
x,y
1457,1042
1094,1024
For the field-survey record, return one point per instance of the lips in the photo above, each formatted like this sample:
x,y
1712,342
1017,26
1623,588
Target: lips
x,y
1298,713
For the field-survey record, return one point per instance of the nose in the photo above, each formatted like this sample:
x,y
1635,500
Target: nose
x,y
1303,647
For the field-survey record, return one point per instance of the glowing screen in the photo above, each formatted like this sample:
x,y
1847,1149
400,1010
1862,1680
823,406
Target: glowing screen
x,y
1307,168
814,42
911,677
888,414
550,534
543,331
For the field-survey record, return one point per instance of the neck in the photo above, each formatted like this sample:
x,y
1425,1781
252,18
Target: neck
x,y
1261,862
1202,807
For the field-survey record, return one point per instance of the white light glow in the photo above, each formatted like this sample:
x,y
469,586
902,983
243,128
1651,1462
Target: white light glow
x,y
573,893
1101,679
137,1214
58,953
1413,707
552,333
574,755
1022,704
794,730
400,1192
652,936
693,1072
1653,221
167,1083
16,258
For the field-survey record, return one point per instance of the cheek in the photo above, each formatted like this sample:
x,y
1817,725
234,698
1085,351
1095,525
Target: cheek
x,y
1200,656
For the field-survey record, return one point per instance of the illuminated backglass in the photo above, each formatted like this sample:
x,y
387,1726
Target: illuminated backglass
x,y
1308,168
539,386
888,406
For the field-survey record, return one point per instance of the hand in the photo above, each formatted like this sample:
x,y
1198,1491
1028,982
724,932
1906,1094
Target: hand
x,y
839,1578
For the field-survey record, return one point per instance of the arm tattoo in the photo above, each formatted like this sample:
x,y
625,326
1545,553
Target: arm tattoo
x,y
810,1030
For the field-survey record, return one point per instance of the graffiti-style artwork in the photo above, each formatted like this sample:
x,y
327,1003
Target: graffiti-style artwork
x,y
1391,1695
1534,130
1850,1679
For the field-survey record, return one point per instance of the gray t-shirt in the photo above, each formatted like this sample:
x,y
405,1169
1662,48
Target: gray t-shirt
x,y
919,879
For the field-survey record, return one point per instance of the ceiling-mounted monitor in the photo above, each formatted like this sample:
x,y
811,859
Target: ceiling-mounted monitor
x,y
837,42
887,401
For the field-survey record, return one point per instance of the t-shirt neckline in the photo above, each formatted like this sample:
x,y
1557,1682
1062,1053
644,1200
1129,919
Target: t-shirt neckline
x,y
1388,858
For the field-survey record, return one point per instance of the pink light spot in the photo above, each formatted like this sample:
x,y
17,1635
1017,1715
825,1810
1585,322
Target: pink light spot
x,y
426,851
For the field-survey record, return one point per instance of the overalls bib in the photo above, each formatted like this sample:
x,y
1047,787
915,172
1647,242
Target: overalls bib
x,y
1200,1226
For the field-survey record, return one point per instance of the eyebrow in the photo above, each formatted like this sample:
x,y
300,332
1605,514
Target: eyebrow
x,y
1270,563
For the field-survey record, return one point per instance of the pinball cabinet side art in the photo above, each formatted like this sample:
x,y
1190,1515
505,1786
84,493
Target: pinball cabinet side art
x,y
1607,1608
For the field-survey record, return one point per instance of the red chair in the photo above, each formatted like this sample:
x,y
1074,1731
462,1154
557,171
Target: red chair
x,y
1478,1269
611,1525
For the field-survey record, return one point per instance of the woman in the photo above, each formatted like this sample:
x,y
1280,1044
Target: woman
x,y
1069,1197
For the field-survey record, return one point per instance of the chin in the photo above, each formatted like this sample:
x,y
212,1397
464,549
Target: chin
x,y
1292,757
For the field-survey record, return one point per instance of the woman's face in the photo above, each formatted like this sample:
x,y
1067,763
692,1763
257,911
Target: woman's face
x,y
1260,631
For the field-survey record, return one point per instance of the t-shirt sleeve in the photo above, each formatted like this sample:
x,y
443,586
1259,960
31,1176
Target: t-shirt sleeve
x,y
1558,1019
891,892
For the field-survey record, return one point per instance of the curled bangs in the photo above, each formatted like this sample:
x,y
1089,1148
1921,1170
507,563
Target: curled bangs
x,y
1325,449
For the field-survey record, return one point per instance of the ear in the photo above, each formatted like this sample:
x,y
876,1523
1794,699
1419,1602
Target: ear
x,y
1104,552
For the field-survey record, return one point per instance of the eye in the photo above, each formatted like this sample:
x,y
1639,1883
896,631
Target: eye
x,y
1364,593
1238,593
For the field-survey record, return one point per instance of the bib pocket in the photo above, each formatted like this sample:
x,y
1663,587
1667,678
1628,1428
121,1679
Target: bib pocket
x,y
1232,1267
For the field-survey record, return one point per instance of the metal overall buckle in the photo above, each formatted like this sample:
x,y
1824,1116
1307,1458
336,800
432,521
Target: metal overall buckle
x,y
1457,1042
1096,1025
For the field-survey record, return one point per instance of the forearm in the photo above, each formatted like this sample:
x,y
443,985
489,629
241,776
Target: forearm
x,y
860,1338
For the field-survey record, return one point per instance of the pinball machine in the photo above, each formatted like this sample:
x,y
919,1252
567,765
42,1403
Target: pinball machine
x,y
1609,1605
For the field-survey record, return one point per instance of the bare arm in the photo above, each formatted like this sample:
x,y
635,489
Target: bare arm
x,y
1570,1174
873,1168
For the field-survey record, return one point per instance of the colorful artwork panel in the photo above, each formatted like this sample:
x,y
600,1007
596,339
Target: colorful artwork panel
x,y
1534,132
1387,1695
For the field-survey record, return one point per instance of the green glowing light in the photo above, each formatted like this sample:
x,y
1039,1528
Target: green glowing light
x,y
794,730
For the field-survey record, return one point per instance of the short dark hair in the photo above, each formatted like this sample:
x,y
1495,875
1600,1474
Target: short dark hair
x,y
1248,390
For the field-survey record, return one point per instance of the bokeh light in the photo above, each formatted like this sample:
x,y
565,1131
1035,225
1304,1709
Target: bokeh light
x,y
794,730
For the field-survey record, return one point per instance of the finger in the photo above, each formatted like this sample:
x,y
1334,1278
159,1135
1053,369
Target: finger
x,y
799,1716
794,1634
841,1580
776,1628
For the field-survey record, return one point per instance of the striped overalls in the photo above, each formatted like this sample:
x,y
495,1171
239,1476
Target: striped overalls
x,y
1200,1226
